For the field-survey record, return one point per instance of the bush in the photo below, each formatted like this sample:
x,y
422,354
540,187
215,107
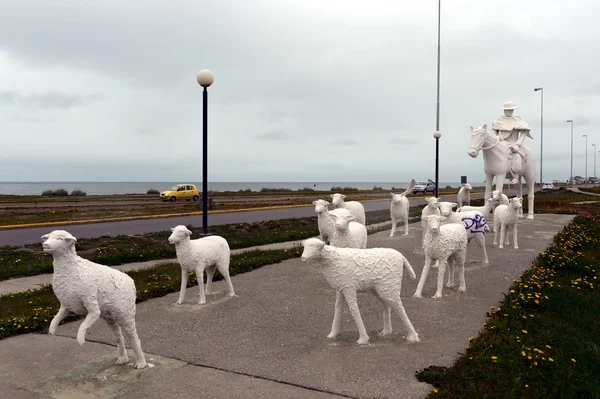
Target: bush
x,y
377,188
274,190
78,193
307,189
152,191
244,191
338,189
61,192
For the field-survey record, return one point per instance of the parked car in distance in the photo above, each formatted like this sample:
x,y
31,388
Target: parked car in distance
x,y
424,187
179,192
548,187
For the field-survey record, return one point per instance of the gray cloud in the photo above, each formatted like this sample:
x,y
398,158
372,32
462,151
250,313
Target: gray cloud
x,y
274,135
48,100
344,142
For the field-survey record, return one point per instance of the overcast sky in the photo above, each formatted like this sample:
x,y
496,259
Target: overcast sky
x,y
304,90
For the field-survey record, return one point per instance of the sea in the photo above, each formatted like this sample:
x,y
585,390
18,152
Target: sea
x,y
110,188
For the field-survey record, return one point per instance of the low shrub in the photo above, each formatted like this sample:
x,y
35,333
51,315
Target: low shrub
x,y
274,190
152,191
61,192
78,193
377,188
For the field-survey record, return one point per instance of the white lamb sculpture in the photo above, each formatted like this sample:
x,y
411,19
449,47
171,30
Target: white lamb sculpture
x,y
505,219
464,195
347,233
325,219
448,245
474,223
430,209
399,208
209,253
350,270
355,207
87,288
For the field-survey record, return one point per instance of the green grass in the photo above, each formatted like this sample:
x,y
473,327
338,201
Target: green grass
x,y
30,260
542,341
30,311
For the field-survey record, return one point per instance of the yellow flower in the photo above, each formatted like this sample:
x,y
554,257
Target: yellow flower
x,y
573,360
550,359
524,331
435,390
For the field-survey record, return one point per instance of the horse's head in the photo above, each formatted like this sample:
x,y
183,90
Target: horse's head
x,y
478,136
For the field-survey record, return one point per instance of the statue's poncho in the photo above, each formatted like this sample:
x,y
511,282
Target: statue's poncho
x,y
506,125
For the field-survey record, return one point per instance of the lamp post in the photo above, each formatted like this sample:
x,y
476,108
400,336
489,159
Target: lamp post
x,y
594,145
541,90
586,151
437,133
571,179
205,78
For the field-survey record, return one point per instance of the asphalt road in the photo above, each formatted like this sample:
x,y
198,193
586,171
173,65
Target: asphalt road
x,y
90,230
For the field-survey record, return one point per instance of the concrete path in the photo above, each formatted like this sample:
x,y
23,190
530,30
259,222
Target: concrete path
x,y
270,340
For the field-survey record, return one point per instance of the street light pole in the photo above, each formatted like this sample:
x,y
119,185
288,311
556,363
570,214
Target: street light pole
x,y
594,145
437,133
586,151
205,78
571,122
541,90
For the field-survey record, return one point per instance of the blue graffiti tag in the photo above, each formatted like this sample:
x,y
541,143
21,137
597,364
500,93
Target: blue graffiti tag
x,y
477,224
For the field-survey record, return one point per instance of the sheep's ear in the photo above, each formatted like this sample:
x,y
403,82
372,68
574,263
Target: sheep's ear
x,y
70,240
454,205
188,233
332,195
350,217
45,237
315,202
442,218
392,194
471,129
172,229
333,215
484,127
342,196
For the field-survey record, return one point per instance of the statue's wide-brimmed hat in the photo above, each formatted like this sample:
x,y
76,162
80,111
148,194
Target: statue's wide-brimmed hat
x,y
509,105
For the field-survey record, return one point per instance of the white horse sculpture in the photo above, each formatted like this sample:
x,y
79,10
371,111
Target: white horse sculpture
x,y
496,163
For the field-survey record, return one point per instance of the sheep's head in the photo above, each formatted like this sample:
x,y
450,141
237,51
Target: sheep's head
x,y
433,222
516,202
178,234
467,187
337,199
312,249
59,241
397,198
341,218
446,207
432,200
320,205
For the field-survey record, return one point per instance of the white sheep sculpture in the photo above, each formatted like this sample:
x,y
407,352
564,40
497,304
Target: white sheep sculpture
x,y
430,209
347,233
352,270
96,291
324,221
446,244
355,207
399,208
464,195
474,223
208,253
505,219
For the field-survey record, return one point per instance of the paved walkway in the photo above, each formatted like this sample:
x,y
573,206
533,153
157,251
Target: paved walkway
x,y
270,340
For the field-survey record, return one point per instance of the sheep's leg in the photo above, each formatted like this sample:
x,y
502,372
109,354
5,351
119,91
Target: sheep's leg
x,y
502,235
405,220
337,315
440,280
507,233
515,241
210,272
459,261
93,314
495,232
419,291
394,221
123,357
399,308
451,272
387,315
184,280
200,277
481,239
224,270
351,300
130,330
62,313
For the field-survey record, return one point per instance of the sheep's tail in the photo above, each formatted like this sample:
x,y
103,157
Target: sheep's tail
x,y
410,187
409,268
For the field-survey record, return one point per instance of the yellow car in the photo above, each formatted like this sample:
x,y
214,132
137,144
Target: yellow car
x,y
180,191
